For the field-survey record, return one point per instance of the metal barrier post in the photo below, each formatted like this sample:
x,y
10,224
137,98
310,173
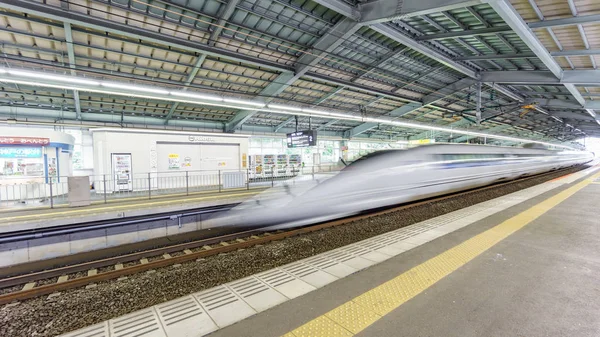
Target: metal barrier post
x,y
219,180
248,179
149,186
313,172
273,176
51,196
187,183
104,181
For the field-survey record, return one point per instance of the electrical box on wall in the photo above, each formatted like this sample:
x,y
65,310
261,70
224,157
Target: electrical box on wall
x,y
79,191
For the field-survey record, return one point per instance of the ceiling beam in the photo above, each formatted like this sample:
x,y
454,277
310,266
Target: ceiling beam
x,y
575,20
284,123
325,45
508,13
188,81
72,65
379,11
398,112
423,49
464,33
492,129
543,77
424,134
341,7
224,15
487,57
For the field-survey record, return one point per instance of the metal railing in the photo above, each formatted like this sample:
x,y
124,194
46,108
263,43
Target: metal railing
x,y
150,185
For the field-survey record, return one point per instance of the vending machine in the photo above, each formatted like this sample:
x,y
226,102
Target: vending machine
x,y
268,164
282,165
256,166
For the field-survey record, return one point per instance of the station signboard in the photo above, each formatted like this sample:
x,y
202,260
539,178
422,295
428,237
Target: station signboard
x,y
30,141
302,138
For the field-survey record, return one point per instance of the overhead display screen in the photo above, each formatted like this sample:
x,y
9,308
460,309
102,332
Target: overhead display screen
x,y
302,138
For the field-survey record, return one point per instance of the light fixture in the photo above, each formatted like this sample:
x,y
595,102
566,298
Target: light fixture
x,y
134,87
284,107
239,101
54,77
196,96
199,98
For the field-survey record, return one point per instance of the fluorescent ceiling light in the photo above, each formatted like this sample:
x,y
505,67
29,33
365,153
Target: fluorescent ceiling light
x,y
284,107
134,87
54,77
197,96
239,101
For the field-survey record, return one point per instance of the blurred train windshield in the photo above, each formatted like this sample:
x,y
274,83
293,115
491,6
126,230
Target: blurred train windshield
x,y
370,157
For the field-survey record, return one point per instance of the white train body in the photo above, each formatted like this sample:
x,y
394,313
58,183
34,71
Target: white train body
x,y
393,177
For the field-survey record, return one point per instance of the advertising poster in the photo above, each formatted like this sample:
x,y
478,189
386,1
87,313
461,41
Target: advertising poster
x,y
174,163
187,162
122,171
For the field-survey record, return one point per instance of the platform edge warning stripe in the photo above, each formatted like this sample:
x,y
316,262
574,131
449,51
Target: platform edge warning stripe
x,y
379,301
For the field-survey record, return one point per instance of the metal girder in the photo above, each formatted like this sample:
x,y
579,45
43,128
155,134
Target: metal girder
x,y
514,20
71,55
459,122
423,49
270,91
448,90
137,33
563,53
188,81
493,129
575,20
284,123
465,33
330,123
315,103
326,44
570,115
224,15
543,77
487,57
398,112
379,11
341,7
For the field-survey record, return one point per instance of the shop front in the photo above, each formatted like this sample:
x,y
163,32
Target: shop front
x,y
31,160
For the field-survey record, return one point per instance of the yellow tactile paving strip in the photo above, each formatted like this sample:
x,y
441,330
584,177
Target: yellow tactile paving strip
x,y
357,314
98,210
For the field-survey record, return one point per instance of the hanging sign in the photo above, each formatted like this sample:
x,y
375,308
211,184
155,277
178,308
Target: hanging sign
x,y
31,141
421,141
302,138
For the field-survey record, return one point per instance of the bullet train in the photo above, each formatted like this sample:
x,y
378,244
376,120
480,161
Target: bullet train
x,y
392,177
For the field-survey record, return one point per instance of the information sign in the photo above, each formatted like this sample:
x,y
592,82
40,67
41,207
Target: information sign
x,y
31,141
302,138
20,152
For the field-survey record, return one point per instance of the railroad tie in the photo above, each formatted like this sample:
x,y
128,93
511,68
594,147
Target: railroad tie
x,y
240,240
207,247
29,285
187,251
63,278
92,272
223,243
254,237
143,260
167,256
118,266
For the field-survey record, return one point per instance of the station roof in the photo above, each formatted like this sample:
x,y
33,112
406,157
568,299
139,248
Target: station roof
x,y
530,63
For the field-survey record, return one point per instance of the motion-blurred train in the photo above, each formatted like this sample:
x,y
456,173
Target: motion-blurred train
x,y
392,177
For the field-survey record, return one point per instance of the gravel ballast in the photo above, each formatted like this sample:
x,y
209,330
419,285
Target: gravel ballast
x,y
77,308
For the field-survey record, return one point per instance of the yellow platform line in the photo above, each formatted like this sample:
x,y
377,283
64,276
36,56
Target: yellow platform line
x,y
357,314
91,211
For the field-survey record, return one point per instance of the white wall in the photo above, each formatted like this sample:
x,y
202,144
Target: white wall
x,y
142,144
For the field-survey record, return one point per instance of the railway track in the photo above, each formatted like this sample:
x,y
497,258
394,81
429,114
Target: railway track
x,y
22,287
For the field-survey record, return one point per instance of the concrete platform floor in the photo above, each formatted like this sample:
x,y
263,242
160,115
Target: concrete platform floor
x,y
45,217
543,280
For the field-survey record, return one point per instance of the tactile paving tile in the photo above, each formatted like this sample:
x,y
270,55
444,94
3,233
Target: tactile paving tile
x,y
223,306
185,317
140,323
256,293
285,283
321,327
309,274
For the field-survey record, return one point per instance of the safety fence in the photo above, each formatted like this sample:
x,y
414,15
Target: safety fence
x,y
103,188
